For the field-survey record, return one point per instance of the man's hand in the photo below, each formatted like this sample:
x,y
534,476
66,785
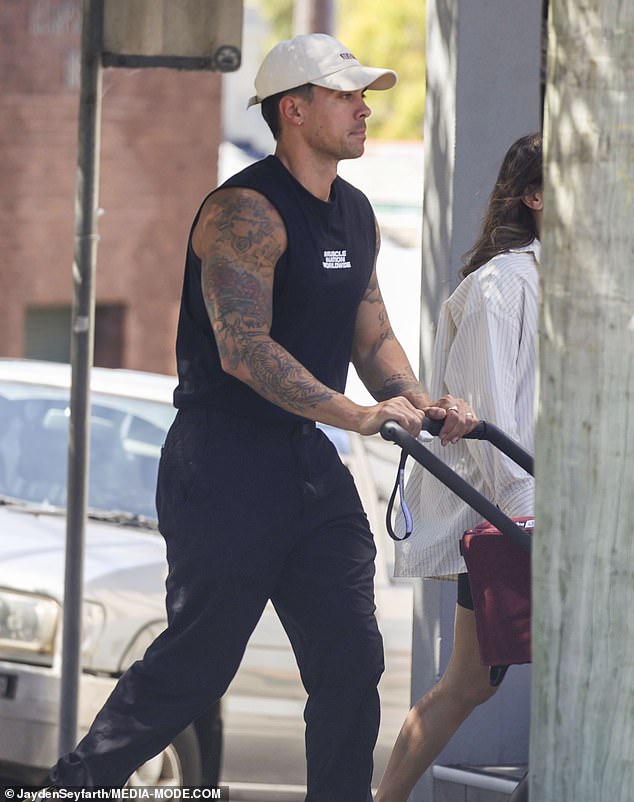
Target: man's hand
x,y
459,418
398,409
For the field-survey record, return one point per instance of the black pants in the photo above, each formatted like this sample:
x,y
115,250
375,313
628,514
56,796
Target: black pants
x,y
251,512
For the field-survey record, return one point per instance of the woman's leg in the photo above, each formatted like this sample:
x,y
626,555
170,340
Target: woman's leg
x,y
433,720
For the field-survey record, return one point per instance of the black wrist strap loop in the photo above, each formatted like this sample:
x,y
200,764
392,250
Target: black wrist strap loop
x,y
399,485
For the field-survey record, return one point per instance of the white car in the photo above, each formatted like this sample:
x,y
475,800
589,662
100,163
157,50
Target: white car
x,y
253,739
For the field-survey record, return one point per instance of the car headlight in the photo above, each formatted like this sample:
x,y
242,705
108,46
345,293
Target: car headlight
x,y
28,625
29,622
93,620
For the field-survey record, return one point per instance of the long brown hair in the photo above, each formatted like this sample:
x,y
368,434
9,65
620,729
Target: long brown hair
x,y
508,222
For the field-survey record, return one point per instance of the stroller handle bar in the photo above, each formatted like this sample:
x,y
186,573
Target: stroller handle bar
x,y
395,433
490,433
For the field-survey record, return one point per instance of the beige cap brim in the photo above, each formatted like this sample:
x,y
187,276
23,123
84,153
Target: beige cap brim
x,y
350,79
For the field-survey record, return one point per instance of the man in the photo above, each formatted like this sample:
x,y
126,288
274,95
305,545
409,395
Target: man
x,y
280,292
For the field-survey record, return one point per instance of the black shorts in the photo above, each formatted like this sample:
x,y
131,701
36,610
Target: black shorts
x,y
464,592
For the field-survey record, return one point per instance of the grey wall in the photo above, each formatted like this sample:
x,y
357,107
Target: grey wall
x,y
483,92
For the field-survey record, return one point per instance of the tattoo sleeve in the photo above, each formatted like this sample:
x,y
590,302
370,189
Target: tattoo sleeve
x,y
378,356
376,309
242,240
399,384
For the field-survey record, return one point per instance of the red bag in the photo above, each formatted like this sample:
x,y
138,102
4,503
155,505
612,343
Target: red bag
x,y
500,580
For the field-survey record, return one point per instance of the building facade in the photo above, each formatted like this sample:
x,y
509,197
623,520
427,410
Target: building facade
x,y
160,133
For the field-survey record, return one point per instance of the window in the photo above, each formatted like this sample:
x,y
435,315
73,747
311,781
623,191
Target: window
x,y
47,334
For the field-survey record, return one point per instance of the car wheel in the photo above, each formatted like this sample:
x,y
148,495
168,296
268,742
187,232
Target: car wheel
x,y
179,764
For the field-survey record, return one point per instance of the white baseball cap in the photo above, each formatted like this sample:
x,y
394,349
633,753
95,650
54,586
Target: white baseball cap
x,y
319,59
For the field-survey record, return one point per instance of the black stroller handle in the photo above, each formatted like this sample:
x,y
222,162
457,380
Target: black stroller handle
x,y
492,434
395,433
433,427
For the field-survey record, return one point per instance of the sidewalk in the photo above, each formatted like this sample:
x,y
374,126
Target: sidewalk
x,y
253,792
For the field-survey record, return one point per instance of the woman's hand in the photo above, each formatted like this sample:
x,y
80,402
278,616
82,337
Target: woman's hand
x,y
459,418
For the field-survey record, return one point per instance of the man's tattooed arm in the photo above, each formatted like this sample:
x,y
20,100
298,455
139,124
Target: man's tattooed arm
x,y
405,384
377,354
239,239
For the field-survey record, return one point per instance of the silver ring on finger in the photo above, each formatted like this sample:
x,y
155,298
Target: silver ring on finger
x,y
452,409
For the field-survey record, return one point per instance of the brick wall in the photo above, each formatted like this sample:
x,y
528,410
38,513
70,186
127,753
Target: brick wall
x,y
159,142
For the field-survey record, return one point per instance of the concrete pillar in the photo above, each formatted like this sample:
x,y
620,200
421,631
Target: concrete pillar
x,y
483,92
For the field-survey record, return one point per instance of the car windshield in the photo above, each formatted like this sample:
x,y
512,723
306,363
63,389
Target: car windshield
x,y
126,435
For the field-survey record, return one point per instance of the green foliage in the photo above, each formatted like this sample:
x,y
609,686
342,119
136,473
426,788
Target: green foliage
x,y
383,34
280,15
390,34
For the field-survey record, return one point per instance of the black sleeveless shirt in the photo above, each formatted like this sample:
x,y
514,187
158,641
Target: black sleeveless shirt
x,y
318,284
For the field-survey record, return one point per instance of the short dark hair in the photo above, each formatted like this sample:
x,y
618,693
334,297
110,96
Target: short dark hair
x,y
271,105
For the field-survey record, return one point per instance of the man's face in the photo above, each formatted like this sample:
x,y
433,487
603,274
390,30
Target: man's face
x,y
334,122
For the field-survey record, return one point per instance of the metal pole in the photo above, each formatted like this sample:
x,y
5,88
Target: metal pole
x,y
86,201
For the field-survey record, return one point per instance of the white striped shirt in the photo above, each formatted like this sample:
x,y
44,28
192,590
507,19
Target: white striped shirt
x,y
485,352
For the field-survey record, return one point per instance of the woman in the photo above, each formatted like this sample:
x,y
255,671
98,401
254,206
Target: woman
x,y
485,352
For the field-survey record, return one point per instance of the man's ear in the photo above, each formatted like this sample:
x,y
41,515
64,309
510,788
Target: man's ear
x,y
290,110
534,200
